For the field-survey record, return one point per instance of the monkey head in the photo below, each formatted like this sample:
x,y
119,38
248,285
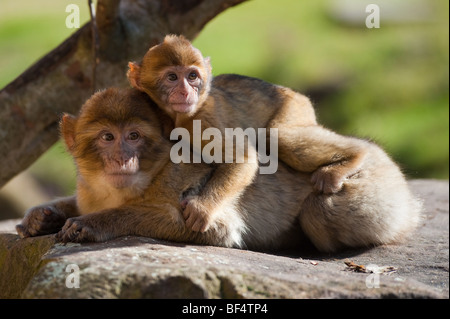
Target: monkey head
x,y
115,139
174,74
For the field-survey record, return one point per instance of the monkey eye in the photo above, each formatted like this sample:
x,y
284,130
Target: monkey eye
x,y
172,77
193,76
108,137
133,136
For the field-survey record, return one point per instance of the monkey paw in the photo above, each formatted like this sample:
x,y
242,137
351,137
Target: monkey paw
x,y
77,230
41,220
327,180
197,216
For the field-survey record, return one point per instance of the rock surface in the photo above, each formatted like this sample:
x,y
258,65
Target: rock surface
x,y
137,267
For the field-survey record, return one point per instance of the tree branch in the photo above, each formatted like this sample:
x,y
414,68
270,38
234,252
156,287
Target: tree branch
x,y
30,106
95,44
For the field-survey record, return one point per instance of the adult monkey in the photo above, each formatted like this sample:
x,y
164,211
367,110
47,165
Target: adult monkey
x,y
127,185
178,78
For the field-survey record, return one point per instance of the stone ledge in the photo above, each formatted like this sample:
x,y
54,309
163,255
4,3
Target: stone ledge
x,y
137,267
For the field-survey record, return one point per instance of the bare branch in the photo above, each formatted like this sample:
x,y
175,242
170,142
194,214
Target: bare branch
x,y
95,44
107,13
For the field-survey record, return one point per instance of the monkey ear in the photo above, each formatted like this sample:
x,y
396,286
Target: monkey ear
x,y
208,63
208,66
133,75
67,129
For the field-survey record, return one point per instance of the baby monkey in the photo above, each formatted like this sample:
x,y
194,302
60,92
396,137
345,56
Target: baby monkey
x,y
178,78
115,142
127,185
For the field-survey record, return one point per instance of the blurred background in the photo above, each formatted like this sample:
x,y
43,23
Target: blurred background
x,y
389,84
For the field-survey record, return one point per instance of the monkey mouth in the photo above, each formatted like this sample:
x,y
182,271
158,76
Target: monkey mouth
x,y
122,174
182,107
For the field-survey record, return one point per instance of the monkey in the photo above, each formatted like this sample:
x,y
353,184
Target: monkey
x,y
178,78
127,185
121,172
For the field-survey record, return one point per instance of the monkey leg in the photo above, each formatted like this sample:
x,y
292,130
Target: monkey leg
x,y
308,147
332,158
47,218
374,207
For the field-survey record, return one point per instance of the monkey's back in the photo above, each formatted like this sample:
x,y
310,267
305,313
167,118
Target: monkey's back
x,y
254,101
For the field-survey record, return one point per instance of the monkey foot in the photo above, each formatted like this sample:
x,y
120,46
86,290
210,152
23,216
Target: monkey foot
x,y
76,230
326,180
41,220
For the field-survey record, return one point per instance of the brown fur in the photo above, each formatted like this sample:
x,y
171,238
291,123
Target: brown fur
x,y
374,206
227,101
232,101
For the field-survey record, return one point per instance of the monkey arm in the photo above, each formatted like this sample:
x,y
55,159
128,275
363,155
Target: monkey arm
x,y
161,220
47,218
67,205
329,156
227,182
112,223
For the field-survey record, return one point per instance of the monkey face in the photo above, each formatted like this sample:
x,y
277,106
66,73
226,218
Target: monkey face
x,y
174,74
115,139
180,88
119,150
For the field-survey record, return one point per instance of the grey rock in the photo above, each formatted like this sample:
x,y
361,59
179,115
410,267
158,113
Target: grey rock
x,y
137,267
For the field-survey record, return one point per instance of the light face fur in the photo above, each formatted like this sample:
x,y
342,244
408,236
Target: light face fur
x,y
373,207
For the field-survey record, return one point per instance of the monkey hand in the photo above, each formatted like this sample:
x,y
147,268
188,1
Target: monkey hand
x,y
328,179
197,216
77,229
41,220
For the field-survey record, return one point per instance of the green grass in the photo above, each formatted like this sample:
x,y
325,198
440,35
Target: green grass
x,y
30,29
390,84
